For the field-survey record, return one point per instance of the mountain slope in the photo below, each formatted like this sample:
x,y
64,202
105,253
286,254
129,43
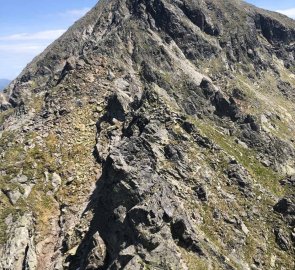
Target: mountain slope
x,y
153,135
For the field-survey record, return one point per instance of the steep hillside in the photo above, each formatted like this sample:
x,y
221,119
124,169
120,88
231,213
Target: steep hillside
x,y
154,134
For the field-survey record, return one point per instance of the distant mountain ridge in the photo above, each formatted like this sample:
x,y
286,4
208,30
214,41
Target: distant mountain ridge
x,y
3,83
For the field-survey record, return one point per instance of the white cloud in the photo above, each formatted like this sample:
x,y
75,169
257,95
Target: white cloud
x,y
19,49
44,35
22,48
289,12
16,50
74,13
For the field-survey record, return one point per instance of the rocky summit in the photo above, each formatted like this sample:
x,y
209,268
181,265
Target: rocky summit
x,y
154,134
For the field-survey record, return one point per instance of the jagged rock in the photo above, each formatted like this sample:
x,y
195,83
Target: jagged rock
x,y
22,179
286,89
13,195
188,127
27,190
201,193
56,181
19,251
97,255
286,206
225,107
244,228
171,152
171,129
288,181
185,235
239,176
282,239
238,94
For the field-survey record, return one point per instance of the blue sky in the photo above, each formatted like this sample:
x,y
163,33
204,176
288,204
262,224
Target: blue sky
x,y
28,27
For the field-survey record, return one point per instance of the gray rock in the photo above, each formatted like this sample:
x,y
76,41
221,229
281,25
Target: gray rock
x,y
56,181
201,193
286,206
22,179
19,250
239,176
97,255
13,195
282,239
161,90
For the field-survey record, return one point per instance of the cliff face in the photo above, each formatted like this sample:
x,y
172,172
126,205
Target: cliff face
x,y
154,134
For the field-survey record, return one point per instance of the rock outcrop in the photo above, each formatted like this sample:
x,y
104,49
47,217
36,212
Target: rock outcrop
x,y
154,134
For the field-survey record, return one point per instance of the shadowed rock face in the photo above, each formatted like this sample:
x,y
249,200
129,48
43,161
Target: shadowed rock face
x,y
153,135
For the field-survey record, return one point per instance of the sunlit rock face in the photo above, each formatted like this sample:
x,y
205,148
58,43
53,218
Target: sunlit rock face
x,y
153,135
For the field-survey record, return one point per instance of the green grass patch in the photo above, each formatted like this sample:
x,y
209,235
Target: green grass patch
x,y
246,157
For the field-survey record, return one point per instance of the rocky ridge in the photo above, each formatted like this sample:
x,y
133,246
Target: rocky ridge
x,y
153,135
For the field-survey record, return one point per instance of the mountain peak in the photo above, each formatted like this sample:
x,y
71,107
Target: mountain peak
x,y
153,135
199,21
